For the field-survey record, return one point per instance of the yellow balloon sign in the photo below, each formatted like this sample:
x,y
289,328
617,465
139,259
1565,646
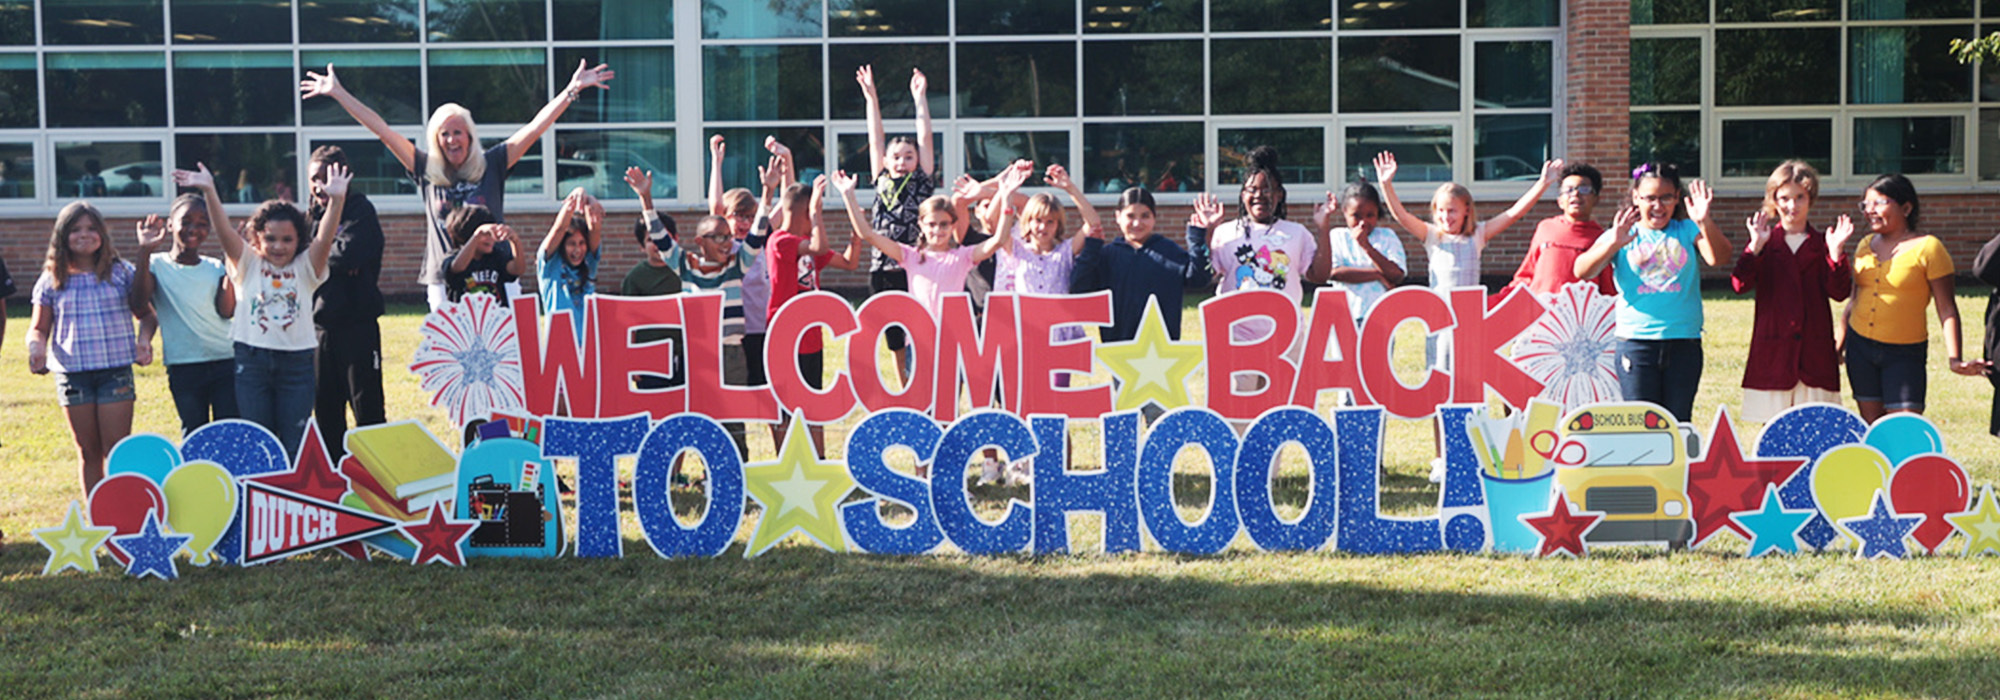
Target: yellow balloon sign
x,y
1845,480
201,500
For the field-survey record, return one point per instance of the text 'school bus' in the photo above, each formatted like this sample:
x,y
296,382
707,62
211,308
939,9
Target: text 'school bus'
x,y
1629,462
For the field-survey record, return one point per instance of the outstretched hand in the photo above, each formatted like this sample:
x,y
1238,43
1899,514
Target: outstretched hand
x,y
1621,225
716,147
1698,199
587,76
641,181
337,177
919,84
1385,166
969,189
1058,177
1323,212
1552,170
199,178
865,75
1836,237
1015,176
316,84
1759,224
1207,212
152,234
842,181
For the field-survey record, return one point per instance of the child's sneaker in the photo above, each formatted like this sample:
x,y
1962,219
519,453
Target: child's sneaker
x,y
989,472
1437,470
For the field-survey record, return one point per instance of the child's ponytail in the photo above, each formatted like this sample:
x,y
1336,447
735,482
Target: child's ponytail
x,y
1665,172
1264,161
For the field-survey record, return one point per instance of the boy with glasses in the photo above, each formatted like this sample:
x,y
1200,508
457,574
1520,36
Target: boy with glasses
x,y
1551,261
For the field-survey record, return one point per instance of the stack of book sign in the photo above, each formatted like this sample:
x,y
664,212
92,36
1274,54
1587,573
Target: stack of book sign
x,y
399,470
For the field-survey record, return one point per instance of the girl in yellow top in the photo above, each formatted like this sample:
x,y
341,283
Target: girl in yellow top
x,y
1898,269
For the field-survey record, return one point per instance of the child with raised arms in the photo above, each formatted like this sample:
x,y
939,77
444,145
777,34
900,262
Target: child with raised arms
x,y
1551,260
192,295
1796,272
1261,249
568,257
905,176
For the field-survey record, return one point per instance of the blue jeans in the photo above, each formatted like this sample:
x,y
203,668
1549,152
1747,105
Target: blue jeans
x,y
203,391
274,389
1665,372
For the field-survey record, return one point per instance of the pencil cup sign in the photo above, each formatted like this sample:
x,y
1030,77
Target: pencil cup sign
x,y
1563,473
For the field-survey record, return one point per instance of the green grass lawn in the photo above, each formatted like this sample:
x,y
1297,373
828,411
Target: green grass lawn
x,y
1625,622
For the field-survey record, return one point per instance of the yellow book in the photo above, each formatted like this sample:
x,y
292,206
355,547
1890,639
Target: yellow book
x,y
404,458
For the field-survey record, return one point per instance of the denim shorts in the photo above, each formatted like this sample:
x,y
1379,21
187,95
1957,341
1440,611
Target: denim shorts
x,y
1887,372
109,385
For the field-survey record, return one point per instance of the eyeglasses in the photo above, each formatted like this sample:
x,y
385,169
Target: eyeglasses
x,y
1868,204
1656,198
715,237
1579,190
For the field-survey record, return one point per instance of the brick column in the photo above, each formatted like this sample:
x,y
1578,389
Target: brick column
x,y
1599,98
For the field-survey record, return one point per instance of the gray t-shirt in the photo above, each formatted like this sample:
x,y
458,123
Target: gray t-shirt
x,y
439,202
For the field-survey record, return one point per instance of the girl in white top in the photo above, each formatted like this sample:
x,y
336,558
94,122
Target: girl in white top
x,y
1261,249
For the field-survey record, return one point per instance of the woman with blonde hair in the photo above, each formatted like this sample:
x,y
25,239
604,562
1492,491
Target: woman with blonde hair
x,y
461,173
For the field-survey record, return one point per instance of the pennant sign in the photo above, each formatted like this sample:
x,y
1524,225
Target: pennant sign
x,y
279,524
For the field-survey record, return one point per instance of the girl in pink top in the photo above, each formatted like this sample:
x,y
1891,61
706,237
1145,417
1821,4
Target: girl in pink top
x,y
940,266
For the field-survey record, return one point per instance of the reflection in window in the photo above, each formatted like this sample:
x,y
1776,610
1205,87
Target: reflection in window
x,y
1911,9
1893,65
376,172
526,175
589,20
1412,14
893,63
886,17
1399,74
1017,80
1512,74
99,169
1669,11
358,21
852,157
249,168
743,83
1752,147
1666,71
758,19
1778,11
17,23
18,95
642,92
1301,153
101,22
1170,84
17,171
1989,77
1510,146
1142,17
1667,137
1262,76
746,153
247,88
1511,13
986,153
1016,16
1777,67
1989,144
596,161
1423,151
107,89
232,21
488,20
1909,145
1273,15
500,86
1161,157
387,81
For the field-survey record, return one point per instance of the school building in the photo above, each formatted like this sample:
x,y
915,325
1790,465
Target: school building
x,y
98,98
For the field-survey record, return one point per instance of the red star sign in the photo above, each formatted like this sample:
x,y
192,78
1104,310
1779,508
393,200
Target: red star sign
x,y
438,538
1563,529
1725,482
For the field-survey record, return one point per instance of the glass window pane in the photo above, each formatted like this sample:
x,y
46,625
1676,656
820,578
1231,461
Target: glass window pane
x,y
488,20
1117,156
356,21
596,161
746,153
1512,74
1510,146
1301,154
248,88
232,21
1399,74
1669,11
1511,13
1016,16
1142,17
102,22
1909,145
1017,80
1423,151
1667,137
1989,144
1171,83
1910,9
755,19
1752,147
1989,75
892,63
387,81
105,169
760,82
1666,71
1893,65
107,89
18,93
852,156
1269,15
17,171
1777,67
249,168
1266,76
1777,10
500,86
1413,14
376,172
590,20
886,17
987,152
526,175
642,92
17,22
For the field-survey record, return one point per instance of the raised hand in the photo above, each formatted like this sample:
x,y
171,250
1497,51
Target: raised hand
x,y
819,188
1385,166
716,147
152,234
1621,225
1015,176
1698,199
337,177
199,178
1759,224
1207,212
315,84
969,189
1552,170
1323,212
1836,237
1058,177
775,174
640,181
777,149
865,75
919,84
587,76
842,181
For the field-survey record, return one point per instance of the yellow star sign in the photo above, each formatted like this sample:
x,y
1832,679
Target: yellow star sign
x,y
1151,366
1981,525
797,492
72,545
